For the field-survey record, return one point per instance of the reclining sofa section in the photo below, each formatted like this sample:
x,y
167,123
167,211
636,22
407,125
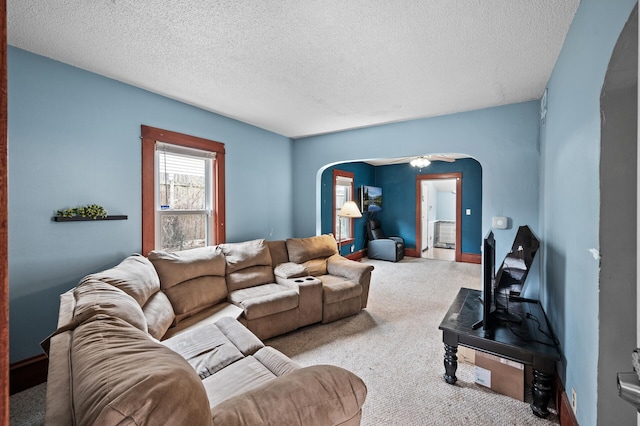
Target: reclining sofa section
x,y
156,341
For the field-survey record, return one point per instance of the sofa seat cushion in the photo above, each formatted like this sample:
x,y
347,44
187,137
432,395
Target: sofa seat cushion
x,y
337,289
119,375
263,300
207,349
204,317
237,378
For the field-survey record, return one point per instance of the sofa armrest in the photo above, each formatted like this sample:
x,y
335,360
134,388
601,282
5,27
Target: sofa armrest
x,y
317,395
309,297
239,335
350,269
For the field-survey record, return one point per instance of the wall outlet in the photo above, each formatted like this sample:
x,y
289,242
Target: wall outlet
x,y
574,401
352,248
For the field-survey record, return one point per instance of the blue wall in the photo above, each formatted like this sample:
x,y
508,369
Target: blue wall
x,y
570,200
74,139
363,174
447,206
503,140
399,214
398,183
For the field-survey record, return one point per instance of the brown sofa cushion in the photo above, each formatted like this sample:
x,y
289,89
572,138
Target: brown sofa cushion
x,y
177,267
192,296
192,279
159,314
263,300
239,335
278,250
302,249
318,395
248,264
95,299
121,376
246,254
135,275
337,289
206,348
290,270
316,267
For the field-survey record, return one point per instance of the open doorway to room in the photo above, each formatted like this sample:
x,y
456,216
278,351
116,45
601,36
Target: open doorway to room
x,y
438,216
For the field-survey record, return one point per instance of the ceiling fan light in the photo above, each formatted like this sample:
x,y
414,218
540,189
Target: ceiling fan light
x,y
420,162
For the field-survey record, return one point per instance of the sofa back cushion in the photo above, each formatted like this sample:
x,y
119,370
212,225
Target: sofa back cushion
x,y
120,376
278,250
248,264
192,279
135,275
159,314
312,252
303,249
96,299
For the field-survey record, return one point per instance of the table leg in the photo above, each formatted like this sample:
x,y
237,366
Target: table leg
x,y
541,392
450,363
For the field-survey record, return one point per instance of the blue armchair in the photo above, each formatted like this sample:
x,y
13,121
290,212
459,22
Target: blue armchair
x,y
382,247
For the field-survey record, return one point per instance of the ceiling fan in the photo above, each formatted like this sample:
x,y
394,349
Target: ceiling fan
x,y
425,160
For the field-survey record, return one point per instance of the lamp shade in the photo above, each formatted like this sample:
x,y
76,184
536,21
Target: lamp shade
x,y
349,209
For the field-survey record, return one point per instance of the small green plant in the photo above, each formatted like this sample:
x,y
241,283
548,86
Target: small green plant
x,y
93,211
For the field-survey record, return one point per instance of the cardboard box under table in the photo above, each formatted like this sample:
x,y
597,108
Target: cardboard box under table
x,y
500,374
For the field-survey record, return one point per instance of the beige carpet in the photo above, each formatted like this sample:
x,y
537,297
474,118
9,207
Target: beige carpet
x,y
394,346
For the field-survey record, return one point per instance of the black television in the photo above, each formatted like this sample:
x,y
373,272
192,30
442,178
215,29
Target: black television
x,y
371,199
488,281
509,281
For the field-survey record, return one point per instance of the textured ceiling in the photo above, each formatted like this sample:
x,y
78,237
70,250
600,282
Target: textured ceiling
x,y
301,67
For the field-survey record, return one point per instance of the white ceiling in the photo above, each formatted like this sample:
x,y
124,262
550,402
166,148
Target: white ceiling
x,y
301,67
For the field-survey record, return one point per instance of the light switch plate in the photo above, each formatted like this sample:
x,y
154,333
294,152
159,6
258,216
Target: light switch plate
x,y
499,222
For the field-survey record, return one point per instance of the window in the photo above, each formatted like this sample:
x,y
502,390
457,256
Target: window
x,y
342,192
182,191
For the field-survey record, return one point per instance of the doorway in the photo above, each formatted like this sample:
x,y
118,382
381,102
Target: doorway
x,y
438,216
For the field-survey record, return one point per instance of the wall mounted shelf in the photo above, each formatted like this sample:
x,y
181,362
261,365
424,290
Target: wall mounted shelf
x,y
87,219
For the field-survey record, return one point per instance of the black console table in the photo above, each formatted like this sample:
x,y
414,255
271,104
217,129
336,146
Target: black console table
x,y
529,342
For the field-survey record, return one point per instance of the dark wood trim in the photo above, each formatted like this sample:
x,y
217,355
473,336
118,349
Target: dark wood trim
x,y
4,225
148,195
181,139
350,175
220,215
87,219
435,176
471,258
411,252
28,373
149,137
357,256
563,405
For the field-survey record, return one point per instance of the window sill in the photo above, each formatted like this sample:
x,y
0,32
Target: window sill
x,y
347,241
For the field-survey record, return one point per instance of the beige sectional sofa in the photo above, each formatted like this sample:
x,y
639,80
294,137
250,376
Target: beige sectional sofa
x,y
175,338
